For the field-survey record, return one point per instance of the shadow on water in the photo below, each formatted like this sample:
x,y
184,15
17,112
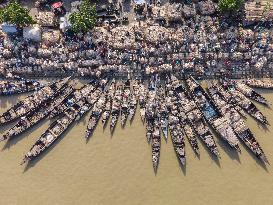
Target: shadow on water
x,y
263,127
13,141
9,101
212,156
33,162
183,167
257,160
231,152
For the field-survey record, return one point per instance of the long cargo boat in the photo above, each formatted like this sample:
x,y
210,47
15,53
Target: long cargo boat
x,y
156,145
175,128
109,101
116,106
133,101
143,91
125,103
96,113
150,111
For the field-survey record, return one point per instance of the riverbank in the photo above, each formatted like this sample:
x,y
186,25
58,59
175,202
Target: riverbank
x,y
118,169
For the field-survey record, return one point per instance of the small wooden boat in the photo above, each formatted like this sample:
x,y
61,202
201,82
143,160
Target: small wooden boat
x,y
162,111
178,139
142,100
32,102
21,85
36,116
175,127
116,106
109,100
190,134
133,100
218,122
150,111
238,124
156,144
96,113
125,102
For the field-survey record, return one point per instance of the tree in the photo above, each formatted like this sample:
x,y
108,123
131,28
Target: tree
x,y
85,18
14,13
230,6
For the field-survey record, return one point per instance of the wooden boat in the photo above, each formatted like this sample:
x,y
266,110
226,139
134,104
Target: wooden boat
x,y
243,102
191,135
96,113
109,100
175,127
125,102
218,122
178,138
116,106
265,83
32,102
191,118
142,100
11,87
238,124
155,144
150,111
57,128
36,116
149,129
162,111
164,122
246,90
133,100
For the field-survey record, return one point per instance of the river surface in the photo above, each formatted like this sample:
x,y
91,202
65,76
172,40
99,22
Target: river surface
x,y
117,170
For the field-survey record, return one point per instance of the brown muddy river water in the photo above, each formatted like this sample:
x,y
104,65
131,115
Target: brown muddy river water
x,y
118,170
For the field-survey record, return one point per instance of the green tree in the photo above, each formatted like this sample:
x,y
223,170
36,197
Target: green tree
x,y
85,18
230,6
14,13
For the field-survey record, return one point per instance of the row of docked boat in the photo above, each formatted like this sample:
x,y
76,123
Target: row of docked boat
x,y
166,106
